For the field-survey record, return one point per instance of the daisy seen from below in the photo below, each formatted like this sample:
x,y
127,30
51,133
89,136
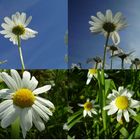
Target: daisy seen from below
x,y
89,108
21,101
122,103
16,26
108,24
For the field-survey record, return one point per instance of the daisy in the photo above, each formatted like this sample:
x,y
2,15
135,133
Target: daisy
x,y
22,101
108,25
88,108
93,73
97,60
122,103
17,27
135,63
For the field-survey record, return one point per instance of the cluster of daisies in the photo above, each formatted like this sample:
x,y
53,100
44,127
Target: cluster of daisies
x,y
119,101
109,25
21,101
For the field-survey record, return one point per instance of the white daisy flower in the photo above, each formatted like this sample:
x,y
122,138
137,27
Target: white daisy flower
x,y
122,103
93,73
17,26
22,101
88,108
107,24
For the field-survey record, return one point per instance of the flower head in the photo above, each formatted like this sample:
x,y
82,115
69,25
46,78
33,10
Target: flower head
x,y
122,103
88,108
22,101
91,73
17,26
107,24
135,63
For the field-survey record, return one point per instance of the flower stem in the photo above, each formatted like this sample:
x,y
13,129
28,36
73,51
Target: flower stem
x,y
122,64
20,53
15,129
106,44
111,60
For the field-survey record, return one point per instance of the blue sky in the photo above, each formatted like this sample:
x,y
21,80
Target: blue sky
x,y
47,49
83,44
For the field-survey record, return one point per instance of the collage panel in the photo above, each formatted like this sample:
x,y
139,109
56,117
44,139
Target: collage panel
x,y
34,104
104,31
41,26
104,108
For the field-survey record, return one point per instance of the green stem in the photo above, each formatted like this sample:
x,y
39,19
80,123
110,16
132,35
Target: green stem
x,y
122,64
104,116
15,129
111,60
87,132
106,44
20,53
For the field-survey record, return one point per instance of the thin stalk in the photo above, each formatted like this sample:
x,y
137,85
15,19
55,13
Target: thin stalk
x,y
20,53
15,129
104,116
106,44
112,53
96,65
122,64
87,132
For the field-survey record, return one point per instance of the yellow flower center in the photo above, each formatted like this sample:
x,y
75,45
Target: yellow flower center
x,y
109,27
18,30
122,102
92,71
23,98
88,106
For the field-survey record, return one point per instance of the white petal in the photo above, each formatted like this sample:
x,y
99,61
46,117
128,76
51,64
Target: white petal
x,y
9,81
27,118
107,107
37,121
26,78
109,16
96,20
84,113
24,132
28,21
132,112
16,77
9,118
81,105
4,93
44,108
5,104
23,18
126,115
33,83
119,115
93,111
42,89
88,80
40,112
89,113
101,16
134,103
45,102
115,38
112,110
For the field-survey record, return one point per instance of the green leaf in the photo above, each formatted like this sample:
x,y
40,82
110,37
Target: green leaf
x,y
71,118
137,132
109,85
137,118
124,132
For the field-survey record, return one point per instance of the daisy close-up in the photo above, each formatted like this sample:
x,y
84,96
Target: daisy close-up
x,y
108,24
21,101
89,108
16,26
121,102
